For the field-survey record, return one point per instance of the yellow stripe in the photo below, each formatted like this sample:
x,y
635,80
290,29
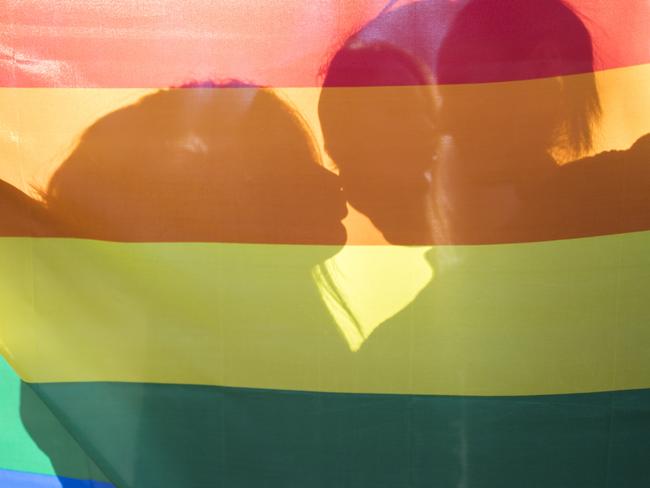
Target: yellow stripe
x,y
38,126
554,317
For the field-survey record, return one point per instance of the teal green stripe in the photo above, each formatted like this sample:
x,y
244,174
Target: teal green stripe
x,y
152,435
19,452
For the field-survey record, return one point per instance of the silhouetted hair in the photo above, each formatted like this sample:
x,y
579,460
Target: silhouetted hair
x,y
525,39
359,63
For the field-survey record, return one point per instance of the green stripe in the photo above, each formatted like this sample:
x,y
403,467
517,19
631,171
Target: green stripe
x,y
193,436
19,451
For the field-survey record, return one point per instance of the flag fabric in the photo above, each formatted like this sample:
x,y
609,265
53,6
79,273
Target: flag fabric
x,y
325,244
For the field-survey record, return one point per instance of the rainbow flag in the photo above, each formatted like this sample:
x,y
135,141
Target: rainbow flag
x,y
325,244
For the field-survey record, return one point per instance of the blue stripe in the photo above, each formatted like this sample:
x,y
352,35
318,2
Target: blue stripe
x,y
18,479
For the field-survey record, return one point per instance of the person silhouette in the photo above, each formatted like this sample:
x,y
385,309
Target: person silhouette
x,y
501,182
140,154
500,174
212,163
506,181
381,141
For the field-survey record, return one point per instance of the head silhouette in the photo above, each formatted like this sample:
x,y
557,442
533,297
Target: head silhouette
x,y
381,137
511,123
233,164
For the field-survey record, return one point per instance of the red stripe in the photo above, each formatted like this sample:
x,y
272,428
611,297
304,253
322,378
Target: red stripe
x,y
152,44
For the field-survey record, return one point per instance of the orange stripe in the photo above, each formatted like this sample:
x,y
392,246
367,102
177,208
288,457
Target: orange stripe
x,y
239,165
